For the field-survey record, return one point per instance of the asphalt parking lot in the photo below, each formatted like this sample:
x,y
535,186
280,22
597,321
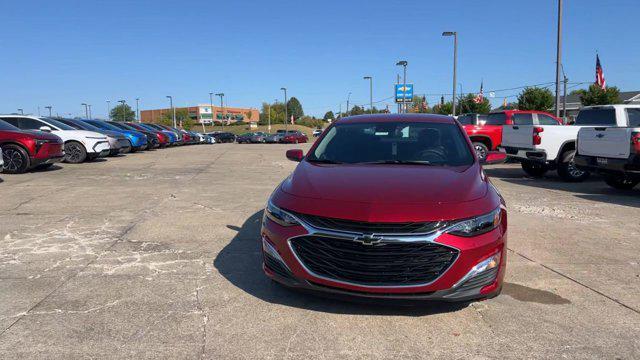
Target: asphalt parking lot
x,y
155,255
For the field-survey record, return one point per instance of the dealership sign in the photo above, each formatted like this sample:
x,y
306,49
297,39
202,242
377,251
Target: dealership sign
x,y
404,92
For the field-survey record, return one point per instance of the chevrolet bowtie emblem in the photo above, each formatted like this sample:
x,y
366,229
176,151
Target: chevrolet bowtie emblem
x,y
368,239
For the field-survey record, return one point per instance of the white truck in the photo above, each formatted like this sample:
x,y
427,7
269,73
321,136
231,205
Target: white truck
x,y
541,145
612,149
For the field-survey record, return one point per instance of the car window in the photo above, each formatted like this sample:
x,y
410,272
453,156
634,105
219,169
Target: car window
x,y
596,116
12,122
496,119
522,119
58,124
7,126
467,119
30,124
394,142
634,117
72,124
546,120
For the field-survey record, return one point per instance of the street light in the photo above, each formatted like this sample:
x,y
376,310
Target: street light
x,y
211,105
286,113
221,109
348,98
455,61
370,92
172,109
89,110
138,109
109,110
404,64
48,107
123,110
86,110
21,111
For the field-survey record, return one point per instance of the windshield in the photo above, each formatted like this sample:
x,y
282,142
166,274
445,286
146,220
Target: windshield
x,y
58,124
394,142
496,119
121,126
102,125
8,127
596,116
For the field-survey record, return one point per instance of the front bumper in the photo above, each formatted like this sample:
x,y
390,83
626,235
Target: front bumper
x,y
49,153
283,265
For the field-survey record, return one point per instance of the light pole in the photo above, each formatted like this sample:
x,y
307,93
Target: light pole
x,y
172,110
269,118
558,58
89,105
21,111
48,107
109,110
210,104
455,63
86,110
348,98
123,110
221,108
370,92
138,109
286,113
404,64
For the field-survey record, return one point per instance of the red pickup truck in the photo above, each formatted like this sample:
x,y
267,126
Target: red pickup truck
x,y
485,131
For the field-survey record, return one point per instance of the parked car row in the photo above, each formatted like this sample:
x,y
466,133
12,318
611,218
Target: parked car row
x,y
280,136
29,142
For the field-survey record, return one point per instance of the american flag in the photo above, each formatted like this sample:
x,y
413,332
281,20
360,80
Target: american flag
x,y
480,98
600,81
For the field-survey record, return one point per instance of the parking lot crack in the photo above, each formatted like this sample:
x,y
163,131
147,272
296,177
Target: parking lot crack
x,y
205,319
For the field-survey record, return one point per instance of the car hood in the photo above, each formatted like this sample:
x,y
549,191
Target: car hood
x,y
42,135
386,192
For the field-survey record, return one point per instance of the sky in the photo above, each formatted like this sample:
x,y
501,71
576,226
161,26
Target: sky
x,y
64,53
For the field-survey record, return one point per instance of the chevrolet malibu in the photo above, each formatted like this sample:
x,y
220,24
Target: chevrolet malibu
x,y
388,206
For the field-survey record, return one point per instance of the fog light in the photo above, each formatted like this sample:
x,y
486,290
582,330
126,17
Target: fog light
x,y
485,265
269,248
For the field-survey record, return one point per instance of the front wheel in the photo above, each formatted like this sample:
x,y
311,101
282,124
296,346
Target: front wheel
x,y
16,159
481,150
620,182
74,152
567,168
534,169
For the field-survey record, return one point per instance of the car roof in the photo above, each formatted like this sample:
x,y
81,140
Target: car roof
x,y
381,118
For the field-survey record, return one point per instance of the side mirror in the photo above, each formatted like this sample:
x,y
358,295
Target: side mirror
x,y
295,155
495,157
45,128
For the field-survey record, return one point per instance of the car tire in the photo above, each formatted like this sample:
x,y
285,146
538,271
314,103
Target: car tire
x,y
534,169
74,152
567,168
16,159
481,150
620,182
44,166
131,148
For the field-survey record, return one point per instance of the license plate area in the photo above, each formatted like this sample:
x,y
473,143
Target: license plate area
x,y
602,161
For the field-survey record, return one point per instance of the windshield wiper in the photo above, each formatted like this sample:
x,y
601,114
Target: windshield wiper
x,y
324,161
402,162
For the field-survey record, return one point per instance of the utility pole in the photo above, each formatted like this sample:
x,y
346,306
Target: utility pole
x,y
398,83
564,99
455,61
348,98
221,108
48,107
558,58
138,109
124,111
86,110
286,112
89,111
404,63
173,110
370,93
109,109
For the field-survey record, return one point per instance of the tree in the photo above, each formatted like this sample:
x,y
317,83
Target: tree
x,y
468,104
328,116
294,108
596,96
182,117
443,108
535,98
419,105
123,112
356,110
277,113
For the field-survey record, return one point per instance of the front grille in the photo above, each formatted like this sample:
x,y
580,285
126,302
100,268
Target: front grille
x,y
383,264
370,227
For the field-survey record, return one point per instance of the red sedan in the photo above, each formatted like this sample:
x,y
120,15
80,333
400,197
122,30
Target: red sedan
x,y
25,150
294,137
388,206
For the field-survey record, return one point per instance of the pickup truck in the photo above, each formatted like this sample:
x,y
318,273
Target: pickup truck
x,y
613,152
541,144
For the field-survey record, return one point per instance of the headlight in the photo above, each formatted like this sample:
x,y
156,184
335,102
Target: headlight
x,y
279,216
478,225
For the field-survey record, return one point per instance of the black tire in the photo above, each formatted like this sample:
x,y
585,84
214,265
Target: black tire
x,y
620,182
567,168
74,152
534,169
131,148
44,166
481,150
16,159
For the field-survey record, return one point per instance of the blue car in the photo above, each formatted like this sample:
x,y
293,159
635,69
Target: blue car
x,y
173,138
137,139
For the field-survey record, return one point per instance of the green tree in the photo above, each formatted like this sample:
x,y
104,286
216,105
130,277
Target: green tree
x,y
123,112
277,113
596,96
328,116
419,105
535,98
294,108
443,108
468,104
356,110
182,117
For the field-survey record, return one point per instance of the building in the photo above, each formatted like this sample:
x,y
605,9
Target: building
x,y
202,114
574,104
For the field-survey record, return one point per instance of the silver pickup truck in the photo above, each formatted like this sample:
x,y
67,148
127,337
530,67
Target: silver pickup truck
x,y
612,151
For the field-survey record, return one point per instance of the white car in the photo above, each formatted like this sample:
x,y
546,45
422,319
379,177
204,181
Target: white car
x,y
79,145
1,161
